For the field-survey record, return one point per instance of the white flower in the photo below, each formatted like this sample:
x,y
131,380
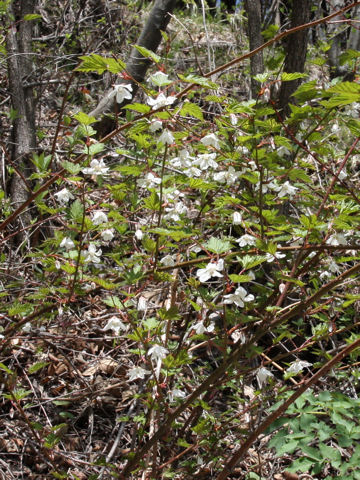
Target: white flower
x,y
57,265
270,258
211,270
206,160
246,240
96,168
211,140
192,172
107,235
238,336
282,151
155,125
150,181
173,213
122,92
336,239
92,255
262,375
157,352
139,234
228,176
176,393
27,327
233,119
167,137
200,328
237,218
137,372
115,324
67,243
183,160
335,128
160,101
168,261
239,297
298,366
286,189
159,79
64,196
142,304
99,217
342,175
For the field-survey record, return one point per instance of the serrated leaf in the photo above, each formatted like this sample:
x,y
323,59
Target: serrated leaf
x,y
148,53
94,148
239,278
6,369
84,119
217,245
152,202
37,366
98,64
137,107
32,16
289,77
204,82
176,235
77,210
299,174
113,302
354,127
193,110
251,261
135,170
199,184
72,168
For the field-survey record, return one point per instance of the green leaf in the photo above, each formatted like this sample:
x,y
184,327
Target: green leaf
x,y
354,126
98,64
289,77
6,369
176,235
84,119
193,110
152,202
251,261
204,82
113,302
148,53
77,211
32,16
37,366
239,278
137,107
94,148
72,168
216,245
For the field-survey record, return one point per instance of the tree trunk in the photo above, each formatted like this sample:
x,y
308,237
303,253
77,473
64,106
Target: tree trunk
x,y
137,65
337,34
295,48
18,42
253,10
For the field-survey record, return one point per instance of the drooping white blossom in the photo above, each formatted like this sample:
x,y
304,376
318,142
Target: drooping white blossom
x,y
211,140
168,261
160,101
137,372
200,328
64,196
92,255
115,324
228,176
270,257
67,243
286,190
167,137
99,217
150,181
107,235
157,352
263,375
97,167
298,366
122,92
237,218
211,270
336,239
246,240
239,297
205,161
155,125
